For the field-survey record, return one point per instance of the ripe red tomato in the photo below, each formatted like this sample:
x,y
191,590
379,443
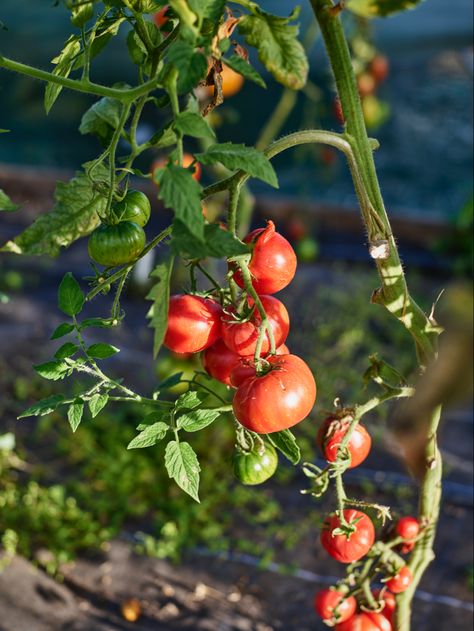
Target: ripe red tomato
x,y
278,399
160,18
331,434
331,605
408,527
241,337
401,582
348,549
389,602
194,323
365,621
245,367
219,361
273,262
379,67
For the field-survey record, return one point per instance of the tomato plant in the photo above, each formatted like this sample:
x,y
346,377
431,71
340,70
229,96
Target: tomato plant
x,y
189,58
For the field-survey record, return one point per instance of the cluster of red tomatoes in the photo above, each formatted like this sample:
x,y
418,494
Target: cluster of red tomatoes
x,y
337,606
276,391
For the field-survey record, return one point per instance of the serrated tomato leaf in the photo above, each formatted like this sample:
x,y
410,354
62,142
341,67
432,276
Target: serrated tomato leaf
x,y
160,295
182,465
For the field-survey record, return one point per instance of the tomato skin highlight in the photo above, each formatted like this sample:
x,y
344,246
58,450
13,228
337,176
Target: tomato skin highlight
x,y
242,337
342,548
331,434
328,600
255,468
112,245
135,206
408,527
273,262
401,582
277,400
194,323
365,621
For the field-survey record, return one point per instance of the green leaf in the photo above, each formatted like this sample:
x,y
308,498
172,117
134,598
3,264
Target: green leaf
x,y
192,124
222,243
182,465
6,204
197,419
102,351
63,329
279,49
191,65
97,403
189,400
285,442
106,29
97,322
149,436
160,295
74,413
383,373
380,8
163,138
74,215
70,296
64,63
45,406
245,69
53,370
66,350
237,156
102,118
180,192
212,9
170,382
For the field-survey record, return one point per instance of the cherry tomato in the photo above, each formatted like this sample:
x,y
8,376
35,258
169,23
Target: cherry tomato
x,y
241,337
232,82
245,367
117,244
408,527
307,250
278,399
343,548
194,323
188,159
379,67
376,112
255,467
160,18
389,603
366,84
401,582
273,262
407,547
365,621
331,605
331,434
135,206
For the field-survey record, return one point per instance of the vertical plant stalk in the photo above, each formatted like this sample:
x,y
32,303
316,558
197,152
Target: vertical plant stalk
x,y
393,294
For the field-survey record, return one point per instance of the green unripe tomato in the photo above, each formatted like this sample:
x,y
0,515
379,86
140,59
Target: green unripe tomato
x,y
253,467
117,244
307,249
135,206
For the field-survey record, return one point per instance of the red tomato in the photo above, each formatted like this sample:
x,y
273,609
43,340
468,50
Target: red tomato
x,y
245,368
366,84
348,549
278,399
337,110
273,262
407,547
219,361
401,582
365,621
160,18
194,323
331,434
379,67
331,605
242,337
389,602
408,527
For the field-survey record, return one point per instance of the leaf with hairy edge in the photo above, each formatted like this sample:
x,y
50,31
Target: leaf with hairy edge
x,y
180,192
66,350
63,329
197,419
53,370
6,204
191,65
285,442
182,465
279,49
70,297
149,436
102,351
380,8
64,63
97,403
190,400
74,413
102,118
238,156
160,295
74,215
245,69
192,124
45,406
